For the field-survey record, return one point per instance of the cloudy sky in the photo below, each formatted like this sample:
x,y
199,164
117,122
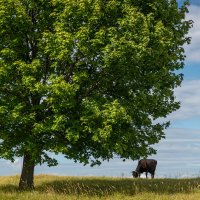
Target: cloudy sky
x,y
179,154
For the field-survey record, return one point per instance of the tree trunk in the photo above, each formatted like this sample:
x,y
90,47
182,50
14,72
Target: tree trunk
x,y
26,179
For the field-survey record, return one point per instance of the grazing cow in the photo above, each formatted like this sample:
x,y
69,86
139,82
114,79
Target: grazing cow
x,y
145,165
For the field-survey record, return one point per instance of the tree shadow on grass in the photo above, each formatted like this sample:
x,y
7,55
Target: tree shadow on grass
x,y
102,187
9,188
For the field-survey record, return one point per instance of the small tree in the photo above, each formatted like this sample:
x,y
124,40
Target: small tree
x,y
87,78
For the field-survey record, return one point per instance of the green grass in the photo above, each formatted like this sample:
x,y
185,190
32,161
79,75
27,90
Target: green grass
x,y
73,188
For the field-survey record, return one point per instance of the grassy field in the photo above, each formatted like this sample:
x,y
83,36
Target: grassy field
x,y
84,188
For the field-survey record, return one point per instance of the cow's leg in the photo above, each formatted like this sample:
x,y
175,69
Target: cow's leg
x,y
152,175
146,174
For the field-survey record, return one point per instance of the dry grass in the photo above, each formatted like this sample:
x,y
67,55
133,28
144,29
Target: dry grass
x,y
73,188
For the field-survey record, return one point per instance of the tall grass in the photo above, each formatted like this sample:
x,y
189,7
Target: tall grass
x,y
71,188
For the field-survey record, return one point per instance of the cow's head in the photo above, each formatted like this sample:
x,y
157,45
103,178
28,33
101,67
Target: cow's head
x,y
135,174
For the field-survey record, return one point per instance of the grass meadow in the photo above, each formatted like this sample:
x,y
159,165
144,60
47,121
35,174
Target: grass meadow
x,y
72,188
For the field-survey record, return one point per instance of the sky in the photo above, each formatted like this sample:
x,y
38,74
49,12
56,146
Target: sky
x,y
178,155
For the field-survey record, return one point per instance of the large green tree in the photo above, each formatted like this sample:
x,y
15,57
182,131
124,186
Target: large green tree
x,y
87,78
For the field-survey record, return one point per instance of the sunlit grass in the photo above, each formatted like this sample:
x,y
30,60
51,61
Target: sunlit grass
x,y
71,188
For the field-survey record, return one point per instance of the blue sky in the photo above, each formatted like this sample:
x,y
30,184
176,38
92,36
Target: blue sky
x,y
179,154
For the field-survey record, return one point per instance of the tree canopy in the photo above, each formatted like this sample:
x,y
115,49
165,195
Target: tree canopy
x,y
87,78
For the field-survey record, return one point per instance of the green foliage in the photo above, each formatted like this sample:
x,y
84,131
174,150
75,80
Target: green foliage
x,y
88,78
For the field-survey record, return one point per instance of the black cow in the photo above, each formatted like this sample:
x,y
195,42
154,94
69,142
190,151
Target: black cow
x,y
145,165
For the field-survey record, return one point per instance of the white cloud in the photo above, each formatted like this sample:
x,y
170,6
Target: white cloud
x,y
193,50
17,164
189,96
